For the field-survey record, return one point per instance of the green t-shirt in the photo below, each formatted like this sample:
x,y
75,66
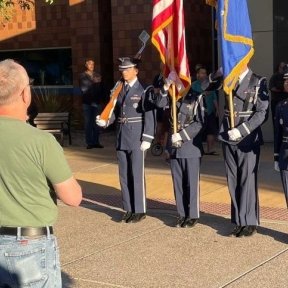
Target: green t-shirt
x,y
31,159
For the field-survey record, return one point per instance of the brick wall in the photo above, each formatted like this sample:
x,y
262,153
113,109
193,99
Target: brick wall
x,y
104,30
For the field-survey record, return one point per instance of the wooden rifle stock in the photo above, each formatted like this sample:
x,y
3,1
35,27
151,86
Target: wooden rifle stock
x,y
108,110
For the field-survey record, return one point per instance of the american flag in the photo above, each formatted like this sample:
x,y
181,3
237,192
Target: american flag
x,y
168,36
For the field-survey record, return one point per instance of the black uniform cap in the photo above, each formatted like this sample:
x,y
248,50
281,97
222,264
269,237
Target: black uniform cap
x,y
127,62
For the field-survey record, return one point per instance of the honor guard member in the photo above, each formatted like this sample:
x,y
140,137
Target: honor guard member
x,y
135,132
281,139
185,152
241,150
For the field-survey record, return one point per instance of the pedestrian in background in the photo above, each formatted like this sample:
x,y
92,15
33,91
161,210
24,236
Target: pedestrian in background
x,y
93,98
211,103
276,87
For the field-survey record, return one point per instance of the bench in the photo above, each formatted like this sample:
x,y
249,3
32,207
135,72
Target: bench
x,y
57,123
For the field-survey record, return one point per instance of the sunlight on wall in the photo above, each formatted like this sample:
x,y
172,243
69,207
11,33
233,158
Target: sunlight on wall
x,y
21,23
75,2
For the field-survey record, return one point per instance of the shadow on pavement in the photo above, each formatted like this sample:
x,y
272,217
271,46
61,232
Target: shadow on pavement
x,y
223,227
105,199
108,200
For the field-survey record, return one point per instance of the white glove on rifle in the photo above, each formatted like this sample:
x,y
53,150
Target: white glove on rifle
x,y
100,122
176,137
234,134
145,145
276,166
172,77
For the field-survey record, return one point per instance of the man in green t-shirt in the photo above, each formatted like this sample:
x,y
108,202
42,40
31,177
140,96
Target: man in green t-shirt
x,y
32,169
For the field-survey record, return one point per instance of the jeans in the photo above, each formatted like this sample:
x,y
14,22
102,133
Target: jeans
x,y
91,129
29,262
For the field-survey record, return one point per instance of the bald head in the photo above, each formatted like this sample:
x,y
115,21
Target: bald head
x,y
13,80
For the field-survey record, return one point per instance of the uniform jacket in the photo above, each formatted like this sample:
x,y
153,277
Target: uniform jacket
x,y
281,135
135,123
251,104
191,119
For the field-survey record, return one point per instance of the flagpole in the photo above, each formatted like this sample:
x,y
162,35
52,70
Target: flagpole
x,y
172,63
231,109
174,109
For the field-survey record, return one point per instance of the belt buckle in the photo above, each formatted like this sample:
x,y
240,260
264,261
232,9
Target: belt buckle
x,y
124,120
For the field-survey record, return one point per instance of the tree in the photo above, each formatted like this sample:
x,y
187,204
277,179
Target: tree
x,y
6,7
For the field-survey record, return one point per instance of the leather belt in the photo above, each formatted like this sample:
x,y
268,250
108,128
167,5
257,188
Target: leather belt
x,y
26,231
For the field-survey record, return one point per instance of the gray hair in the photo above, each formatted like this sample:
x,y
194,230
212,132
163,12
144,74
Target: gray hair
x,y
12,80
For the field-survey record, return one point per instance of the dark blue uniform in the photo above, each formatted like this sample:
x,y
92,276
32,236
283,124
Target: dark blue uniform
x,y
281,143
185,160
134,125
251,101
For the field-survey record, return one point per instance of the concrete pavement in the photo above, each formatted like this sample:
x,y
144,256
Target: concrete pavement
x,y
98,251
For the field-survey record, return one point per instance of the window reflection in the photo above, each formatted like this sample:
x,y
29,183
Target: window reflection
x,y
44,66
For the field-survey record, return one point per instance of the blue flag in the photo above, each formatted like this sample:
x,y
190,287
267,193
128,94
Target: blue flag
x,y
235,35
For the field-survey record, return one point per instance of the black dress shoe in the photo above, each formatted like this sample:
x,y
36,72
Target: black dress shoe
x,y
248,231
94,146
137,217
98,145
237,229
180,221
189,223
126,216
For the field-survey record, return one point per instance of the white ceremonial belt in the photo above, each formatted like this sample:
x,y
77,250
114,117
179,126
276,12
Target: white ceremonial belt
x,y
130,119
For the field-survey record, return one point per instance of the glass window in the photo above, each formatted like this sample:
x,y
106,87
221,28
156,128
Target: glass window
x,y
45,66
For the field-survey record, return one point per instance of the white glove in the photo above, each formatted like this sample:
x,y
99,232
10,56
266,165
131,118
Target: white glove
x,y
100,122
234,134
176,137
145,145
276,166
172,77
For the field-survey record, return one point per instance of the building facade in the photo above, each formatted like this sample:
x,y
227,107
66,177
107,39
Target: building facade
x,y
100,29
53,41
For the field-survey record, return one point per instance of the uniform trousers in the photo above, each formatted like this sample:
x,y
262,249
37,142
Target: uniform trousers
x,y
284,179
241,171
132,180
185,175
